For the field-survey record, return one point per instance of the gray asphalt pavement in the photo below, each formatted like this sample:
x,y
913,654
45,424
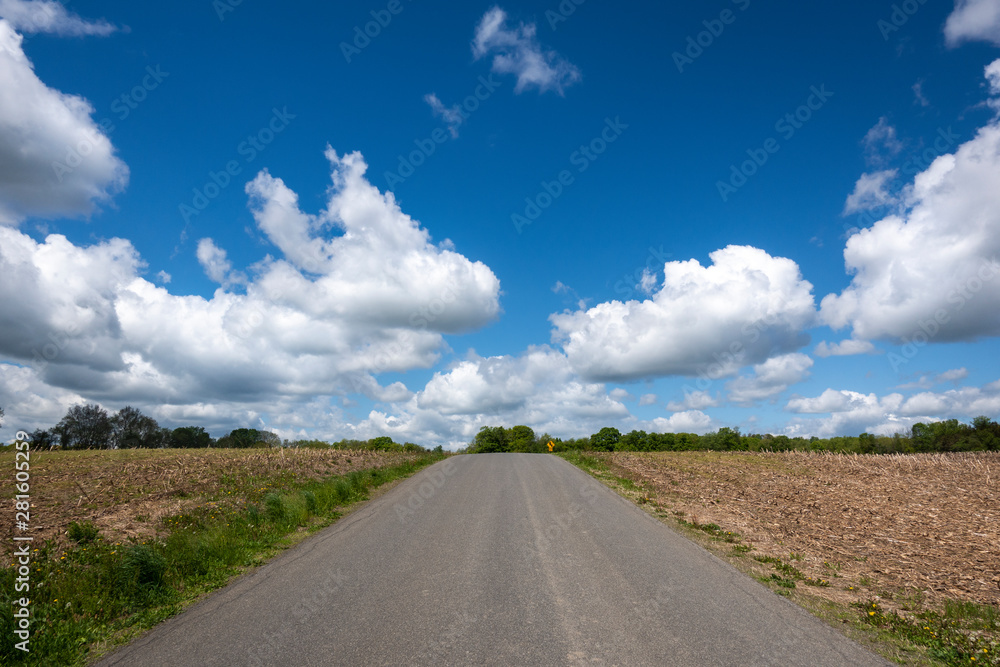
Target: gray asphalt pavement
x,y
495,559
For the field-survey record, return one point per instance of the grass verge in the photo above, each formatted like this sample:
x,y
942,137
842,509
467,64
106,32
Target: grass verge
x,y
95,595
956,633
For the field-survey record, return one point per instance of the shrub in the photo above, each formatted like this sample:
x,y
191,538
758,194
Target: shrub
x,y
82,533
276,510
343,490
311,503
141,572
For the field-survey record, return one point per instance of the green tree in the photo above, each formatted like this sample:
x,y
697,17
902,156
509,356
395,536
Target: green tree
x,y
606,439
987,432
728,439
268,439
383,443
781,443
189,437
661,442
634,441
522,439
491,439
130,429
42,439
240,438
84,427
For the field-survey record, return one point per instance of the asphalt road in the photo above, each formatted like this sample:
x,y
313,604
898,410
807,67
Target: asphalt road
x,y
495,559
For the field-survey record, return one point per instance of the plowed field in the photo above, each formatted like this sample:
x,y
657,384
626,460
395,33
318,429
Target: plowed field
x,y
928,524
127,493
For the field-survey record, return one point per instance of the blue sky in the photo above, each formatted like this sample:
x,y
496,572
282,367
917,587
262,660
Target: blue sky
x,y
408,219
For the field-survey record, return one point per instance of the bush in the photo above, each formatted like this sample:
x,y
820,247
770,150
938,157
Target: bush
x,y
275,507
311,503
82,533
342,489
140,575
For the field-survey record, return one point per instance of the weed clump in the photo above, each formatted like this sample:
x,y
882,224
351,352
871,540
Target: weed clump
x,y
82,533
140,574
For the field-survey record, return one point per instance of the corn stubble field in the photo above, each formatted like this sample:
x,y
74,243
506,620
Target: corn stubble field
x,y
130,493
900,538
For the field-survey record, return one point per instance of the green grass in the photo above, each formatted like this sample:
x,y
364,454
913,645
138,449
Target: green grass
x,y
100,593
955,636
790,571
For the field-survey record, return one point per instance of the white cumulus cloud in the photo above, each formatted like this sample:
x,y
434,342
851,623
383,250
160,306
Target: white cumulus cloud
x,y
375,263
695,400
689,421
215,263
770,378
54,160
973,20
844,348
931,271
376,298
742,309
850,413
871,192
536,388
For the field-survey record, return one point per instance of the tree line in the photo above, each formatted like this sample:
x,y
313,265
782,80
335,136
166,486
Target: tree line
x,y
983,434
91,427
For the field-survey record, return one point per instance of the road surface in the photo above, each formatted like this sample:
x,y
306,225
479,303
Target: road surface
x,y
495,559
